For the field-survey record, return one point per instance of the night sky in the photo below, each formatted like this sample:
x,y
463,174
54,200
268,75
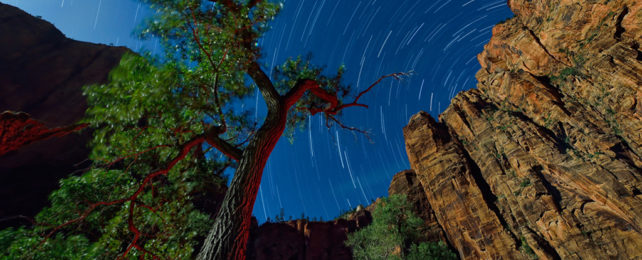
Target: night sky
x,y
329,170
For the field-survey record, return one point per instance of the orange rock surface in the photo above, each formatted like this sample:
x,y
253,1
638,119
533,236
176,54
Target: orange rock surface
x,y
544,158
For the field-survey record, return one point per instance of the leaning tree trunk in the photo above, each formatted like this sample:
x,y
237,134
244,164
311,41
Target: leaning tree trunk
x,y
229,234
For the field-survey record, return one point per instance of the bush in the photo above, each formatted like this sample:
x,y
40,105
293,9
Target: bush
x,y
394,234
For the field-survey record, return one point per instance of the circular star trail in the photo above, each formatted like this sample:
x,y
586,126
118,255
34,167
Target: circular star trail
x,y
326,171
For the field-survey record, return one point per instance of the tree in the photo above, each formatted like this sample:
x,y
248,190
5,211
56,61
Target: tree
x,y
393,234
164,122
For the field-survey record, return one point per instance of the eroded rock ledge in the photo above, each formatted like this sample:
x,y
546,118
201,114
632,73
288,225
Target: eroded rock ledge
x,y
544,159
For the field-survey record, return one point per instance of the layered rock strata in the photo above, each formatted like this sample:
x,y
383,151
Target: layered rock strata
x,y
544,158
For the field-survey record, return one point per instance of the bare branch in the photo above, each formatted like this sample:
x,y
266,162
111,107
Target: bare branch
x,y
350,128
396,76
332,107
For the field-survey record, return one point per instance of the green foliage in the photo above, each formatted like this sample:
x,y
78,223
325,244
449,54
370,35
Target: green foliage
x,y
149,107
526,182
527,249
565,73
428,251
141,118
174,229
393,234
19,244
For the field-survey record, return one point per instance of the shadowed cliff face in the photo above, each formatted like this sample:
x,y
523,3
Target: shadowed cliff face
x,y
42,74
302,239
545,157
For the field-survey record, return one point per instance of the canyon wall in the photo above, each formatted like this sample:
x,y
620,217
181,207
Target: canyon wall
x,y
42,73
544,158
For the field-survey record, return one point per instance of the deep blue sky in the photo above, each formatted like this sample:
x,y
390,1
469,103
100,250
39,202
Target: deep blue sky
x,y
320,175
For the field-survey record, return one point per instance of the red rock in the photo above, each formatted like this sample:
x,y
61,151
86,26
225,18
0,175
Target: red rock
x,y
544,158
302,239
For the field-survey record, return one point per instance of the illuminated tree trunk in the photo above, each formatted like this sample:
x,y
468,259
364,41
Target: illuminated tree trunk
x,y
229,234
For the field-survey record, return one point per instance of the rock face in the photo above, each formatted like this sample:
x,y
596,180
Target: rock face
x,y
302,239
544,159
406,183
42,73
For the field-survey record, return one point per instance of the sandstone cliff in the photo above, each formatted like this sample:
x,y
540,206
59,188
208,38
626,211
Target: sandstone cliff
x,y
42,73
544,159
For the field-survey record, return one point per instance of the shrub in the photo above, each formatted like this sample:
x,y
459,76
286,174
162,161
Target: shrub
x,y
394,234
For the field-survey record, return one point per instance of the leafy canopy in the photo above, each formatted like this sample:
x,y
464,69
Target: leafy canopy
x,y
131,202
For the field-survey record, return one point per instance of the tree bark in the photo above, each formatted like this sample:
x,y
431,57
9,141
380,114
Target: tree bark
x,y
228,236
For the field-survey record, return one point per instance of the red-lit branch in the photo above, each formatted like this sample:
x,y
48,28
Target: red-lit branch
x,y
396,76
184,150
332,106
19,129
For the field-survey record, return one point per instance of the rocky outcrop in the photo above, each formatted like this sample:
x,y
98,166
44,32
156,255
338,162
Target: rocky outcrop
x,y
544,159
42,73
302,239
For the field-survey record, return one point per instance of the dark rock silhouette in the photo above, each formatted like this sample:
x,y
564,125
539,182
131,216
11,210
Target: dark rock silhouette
x,y
303,239
42,73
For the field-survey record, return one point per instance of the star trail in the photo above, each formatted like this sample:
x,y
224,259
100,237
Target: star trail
x,y
326,170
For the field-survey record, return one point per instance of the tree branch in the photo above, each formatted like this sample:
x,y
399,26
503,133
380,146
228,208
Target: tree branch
x,y
215,67
300,88
397,76
271,96
184,150
332,107
229,150
19,129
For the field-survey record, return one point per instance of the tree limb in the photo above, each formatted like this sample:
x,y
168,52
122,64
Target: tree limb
x,y
19,129
270,95
229,150
184,150
300,88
